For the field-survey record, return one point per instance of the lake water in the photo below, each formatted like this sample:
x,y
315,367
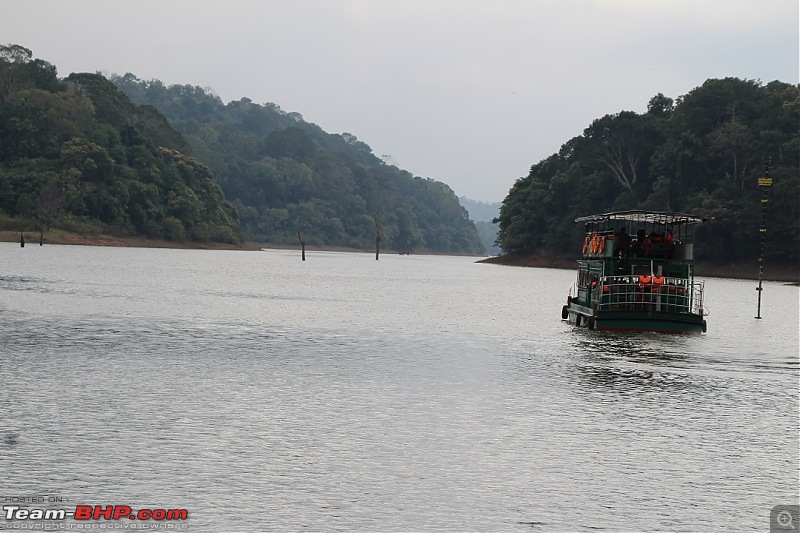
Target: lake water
x,y
415,393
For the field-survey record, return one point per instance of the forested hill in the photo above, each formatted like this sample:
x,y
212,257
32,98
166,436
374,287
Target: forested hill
x,y
283,174
701,154
76,154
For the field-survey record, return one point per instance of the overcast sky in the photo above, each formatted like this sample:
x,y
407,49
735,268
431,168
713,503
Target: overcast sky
x,y
469,92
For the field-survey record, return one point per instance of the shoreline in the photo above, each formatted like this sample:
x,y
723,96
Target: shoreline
x,y
744,272
59,237
66,238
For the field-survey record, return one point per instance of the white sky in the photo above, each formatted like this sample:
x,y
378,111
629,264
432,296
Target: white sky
x,y
468,92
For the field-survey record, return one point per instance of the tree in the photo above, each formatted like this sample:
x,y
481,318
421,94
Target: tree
x,y
408,236
660,105
290,142
617,141
12,72
52,202
734,140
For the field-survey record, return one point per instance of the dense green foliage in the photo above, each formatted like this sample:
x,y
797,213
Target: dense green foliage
x,y
284,174
702,154
77,153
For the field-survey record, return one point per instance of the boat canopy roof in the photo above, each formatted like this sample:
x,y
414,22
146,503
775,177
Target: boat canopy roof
x,y
652,217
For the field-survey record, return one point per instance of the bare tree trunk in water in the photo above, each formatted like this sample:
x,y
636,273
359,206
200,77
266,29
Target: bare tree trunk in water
x,y
302,243
377,235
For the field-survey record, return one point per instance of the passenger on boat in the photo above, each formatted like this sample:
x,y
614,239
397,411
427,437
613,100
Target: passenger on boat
x,y
623,242
651,246
668,242
638,245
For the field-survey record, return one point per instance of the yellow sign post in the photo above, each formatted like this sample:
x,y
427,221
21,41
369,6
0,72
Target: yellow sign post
x,y
764,182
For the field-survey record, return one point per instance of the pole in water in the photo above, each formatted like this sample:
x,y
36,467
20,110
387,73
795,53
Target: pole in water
x,y
21,240
765,183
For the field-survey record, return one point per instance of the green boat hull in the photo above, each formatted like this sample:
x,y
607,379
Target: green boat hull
x,y
643,321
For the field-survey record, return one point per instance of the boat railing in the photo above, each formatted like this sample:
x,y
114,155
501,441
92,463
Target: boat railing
x,y
651,293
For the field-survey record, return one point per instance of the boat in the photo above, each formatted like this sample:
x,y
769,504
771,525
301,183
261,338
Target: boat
x,y
636,273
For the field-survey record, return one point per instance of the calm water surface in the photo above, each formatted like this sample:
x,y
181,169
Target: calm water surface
x,y
413,393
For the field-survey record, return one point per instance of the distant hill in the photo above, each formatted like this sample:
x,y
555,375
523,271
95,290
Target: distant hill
x,y
482,214
77,154
480,211
488,233
283,174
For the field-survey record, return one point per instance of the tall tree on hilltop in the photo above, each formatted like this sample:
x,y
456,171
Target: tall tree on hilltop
x,y
623,144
